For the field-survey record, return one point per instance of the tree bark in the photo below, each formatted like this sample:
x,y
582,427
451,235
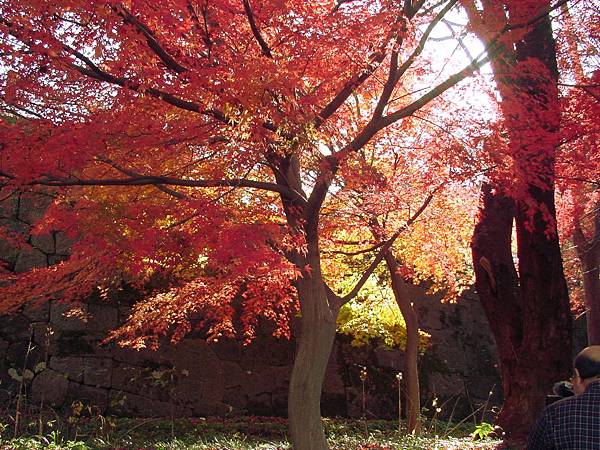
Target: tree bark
x,y
588,252
319,311
412,404
528,310
312,355
591,293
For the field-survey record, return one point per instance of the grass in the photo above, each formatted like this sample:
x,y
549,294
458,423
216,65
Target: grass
x,y
99,433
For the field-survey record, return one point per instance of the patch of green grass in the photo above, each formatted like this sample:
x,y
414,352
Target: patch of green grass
x,y
242,433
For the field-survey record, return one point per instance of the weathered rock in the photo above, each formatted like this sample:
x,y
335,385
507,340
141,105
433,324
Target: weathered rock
x,y
63,243
30,258
277,352
16,226
127,378
32,206
102,317
45,337
9,206
233,397
227,349
95,398
55,259
71,366
212,409
126,403
15,327
387,357
62,319
8,253
24,354
44,242
97,372
261,404
132,356
50,387
233,375
268,379
37,311
204,382
73,343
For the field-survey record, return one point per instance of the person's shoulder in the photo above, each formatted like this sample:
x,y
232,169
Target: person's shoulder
x,y
594,387
564,404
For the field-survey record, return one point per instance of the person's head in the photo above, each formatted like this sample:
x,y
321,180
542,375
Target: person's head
x,y
586,368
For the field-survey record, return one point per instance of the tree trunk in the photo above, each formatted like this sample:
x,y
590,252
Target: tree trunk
x,y
412,404
588,252
528,312
314,346
591,293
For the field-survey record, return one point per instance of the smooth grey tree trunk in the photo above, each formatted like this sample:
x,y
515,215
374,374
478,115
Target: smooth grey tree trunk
x,y
314,347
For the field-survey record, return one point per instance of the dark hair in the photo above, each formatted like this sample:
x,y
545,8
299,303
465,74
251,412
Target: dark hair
x,y
587,365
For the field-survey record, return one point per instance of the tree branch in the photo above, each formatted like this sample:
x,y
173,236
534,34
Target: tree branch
x,y
255,31
131,173
350,86
436,91
152,180
386,245
492,49
98,74
421,45
164,56
355,253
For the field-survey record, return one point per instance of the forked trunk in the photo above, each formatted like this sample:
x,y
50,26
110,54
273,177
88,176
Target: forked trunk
x,y
528,312
312,355
411,353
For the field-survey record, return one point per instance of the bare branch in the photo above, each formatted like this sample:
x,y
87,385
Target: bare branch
x,y
491,50
340,3
421,45
101,75
436,91
587,88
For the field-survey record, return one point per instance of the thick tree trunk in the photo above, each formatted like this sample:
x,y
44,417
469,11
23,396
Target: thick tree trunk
x,y
411,352
319,308
591,288
312,355
528,312
588,252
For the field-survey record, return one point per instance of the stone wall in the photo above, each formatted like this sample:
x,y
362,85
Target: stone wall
x,y
18,212
62,358
227,378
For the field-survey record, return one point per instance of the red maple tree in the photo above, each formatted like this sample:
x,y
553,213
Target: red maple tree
x,y
202,139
